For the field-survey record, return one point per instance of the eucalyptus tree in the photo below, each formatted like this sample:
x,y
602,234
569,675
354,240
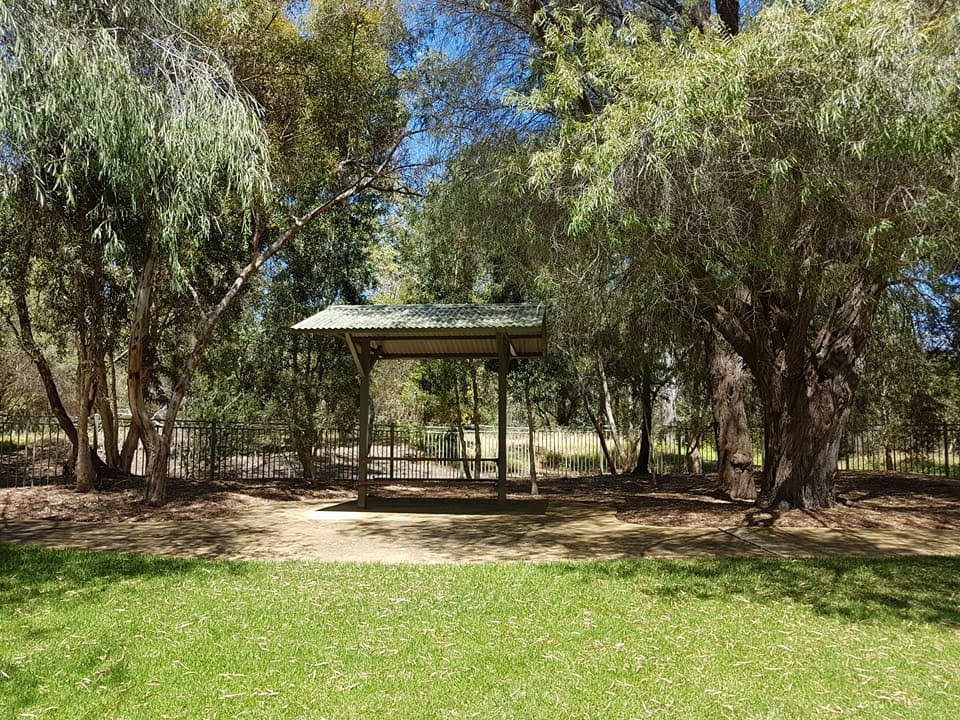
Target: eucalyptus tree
x,y
125,99
55,285
258,370
112,117
499,50
346,144
910,379
782,180
482,231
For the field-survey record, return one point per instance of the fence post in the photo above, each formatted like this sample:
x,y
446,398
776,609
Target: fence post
x,y
393,437
213,451
946,451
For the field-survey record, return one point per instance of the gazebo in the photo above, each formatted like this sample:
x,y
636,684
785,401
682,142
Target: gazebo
x,y
384,332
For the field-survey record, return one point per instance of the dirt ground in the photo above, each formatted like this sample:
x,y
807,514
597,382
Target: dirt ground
x,y
868,500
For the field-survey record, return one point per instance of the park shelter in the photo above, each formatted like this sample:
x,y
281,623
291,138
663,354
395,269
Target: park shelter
x,y
382,332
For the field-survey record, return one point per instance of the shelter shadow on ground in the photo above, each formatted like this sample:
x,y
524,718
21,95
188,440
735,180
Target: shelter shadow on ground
x,y
415,505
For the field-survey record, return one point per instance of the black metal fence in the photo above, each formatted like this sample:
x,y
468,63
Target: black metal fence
x,y
34,450
920,449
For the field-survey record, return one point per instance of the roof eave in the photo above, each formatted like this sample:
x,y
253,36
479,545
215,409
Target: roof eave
x,y
528,331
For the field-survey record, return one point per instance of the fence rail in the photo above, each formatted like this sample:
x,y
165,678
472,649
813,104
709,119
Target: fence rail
x,y
34,450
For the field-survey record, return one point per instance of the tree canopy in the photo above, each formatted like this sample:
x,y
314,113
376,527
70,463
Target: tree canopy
x,y
739,214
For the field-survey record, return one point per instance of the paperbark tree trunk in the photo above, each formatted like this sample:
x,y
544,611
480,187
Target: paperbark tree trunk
x,y
108,419
129,449
646,424
804,444
83,467
734,447
137,371
807,375
86,393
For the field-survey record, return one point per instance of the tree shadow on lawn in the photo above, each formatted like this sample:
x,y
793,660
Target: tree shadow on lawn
x,y
68,579
29,573
880,590
910,588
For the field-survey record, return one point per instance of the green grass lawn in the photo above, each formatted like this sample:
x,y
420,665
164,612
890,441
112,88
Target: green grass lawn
x,y
89,635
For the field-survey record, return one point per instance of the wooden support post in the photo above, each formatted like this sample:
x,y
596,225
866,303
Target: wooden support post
x,y
364,408
504,361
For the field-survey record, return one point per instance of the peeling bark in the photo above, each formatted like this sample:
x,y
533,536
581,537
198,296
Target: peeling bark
x,y
807,377
129,449
734,447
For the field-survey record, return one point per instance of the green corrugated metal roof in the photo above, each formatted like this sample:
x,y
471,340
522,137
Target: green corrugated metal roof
x,y
364,319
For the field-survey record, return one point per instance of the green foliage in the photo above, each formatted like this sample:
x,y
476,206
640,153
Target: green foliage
x,y
812,148
322,76
115,111
259,369
194,131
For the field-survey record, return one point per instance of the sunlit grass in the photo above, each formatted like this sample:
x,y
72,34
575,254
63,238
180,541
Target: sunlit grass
x,y
111,636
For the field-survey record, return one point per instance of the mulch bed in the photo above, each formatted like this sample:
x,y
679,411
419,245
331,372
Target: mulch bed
x,y
868,500
120,500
